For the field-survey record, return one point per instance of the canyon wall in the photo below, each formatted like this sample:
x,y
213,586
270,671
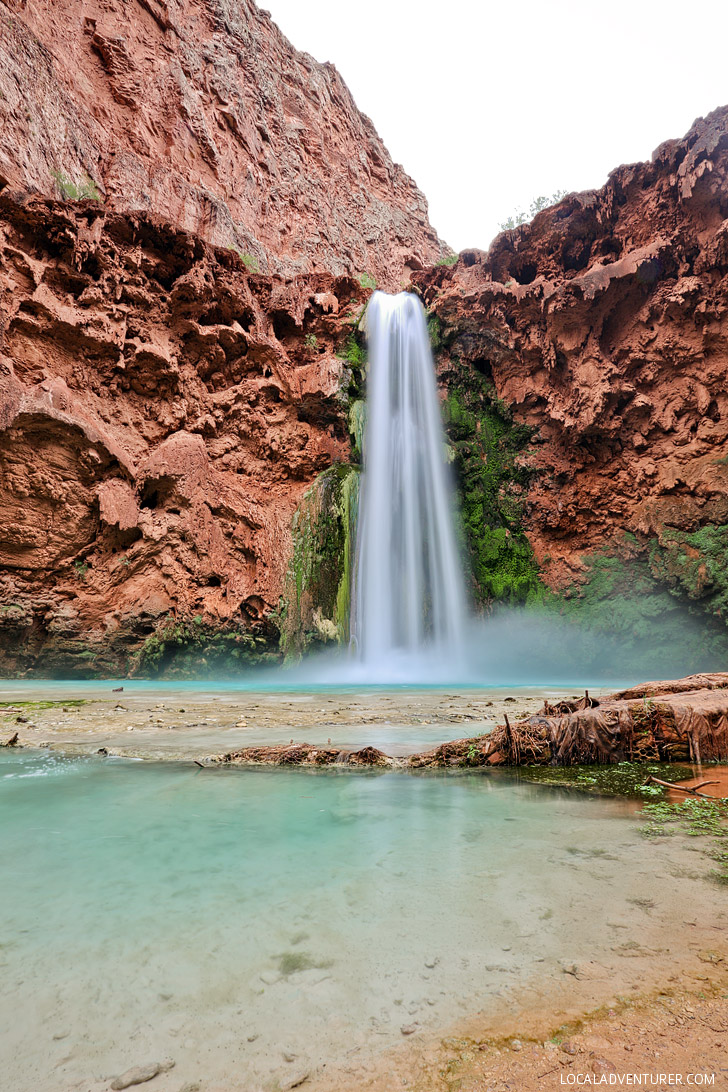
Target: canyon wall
x,y
188,209
585,363
202,112
162,413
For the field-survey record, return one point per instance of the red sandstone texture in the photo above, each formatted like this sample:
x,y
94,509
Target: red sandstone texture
x,y
604,323
162,411
202,112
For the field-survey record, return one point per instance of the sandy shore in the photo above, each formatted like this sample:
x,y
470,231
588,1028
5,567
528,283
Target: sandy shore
x,y
184,725
675,1036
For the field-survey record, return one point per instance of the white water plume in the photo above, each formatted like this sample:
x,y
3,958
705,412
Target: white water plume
x,y
409,604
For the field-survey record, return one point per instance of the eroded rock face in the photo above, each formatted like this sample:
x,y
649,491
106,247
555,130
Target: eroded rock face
x,y
162,412
204,114
604,325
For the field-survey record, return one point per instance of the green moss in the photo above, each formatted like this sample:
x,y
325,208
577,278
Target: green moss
x,y
449,259
70,191
699,818
367,281
40,705
181,647
649,630
620,779
694,565
353,351
316,606
491,482
434,329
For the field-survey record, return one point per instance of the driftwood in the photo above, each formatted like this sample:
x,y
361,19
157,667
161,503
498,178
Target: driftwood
x,y
692,789
300,754
683,721
12,742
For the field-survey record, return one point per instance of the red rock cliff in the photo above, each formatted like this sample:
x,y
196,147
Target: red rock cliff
x,y
201,112
162,412
604,325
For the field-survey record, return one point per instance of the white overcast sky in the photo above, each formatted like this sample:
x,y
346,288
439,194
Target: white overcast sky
x,y
487,105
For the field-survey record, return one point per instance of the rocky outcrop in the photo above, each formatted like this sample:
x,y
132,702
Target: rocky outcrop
x,y
162,413
202,112
586,360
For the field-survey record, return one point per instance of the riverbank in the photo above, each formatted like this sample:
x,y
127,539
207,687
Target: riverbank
x,y
670,1037
177,723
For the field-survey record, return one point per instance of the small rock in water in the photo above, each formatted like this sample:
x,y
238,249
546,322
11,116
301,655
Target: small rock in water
x,y
516,1045
288,1056
408,1029
252,1038
294,1080
432,961
140,1074
270,977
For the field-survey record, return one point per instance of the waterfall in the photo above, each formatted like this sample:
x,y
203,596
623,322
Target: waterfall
x,y
409,602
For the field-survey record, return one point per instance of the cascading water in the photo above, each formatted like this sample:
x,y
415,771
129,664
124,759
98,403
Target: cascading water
x,y
409,604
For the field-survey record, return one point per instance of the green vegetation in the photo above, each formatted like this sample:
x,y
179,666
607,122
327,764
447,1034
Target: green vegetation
x,y
250,262
38,706
310,341
69,191
317,600
181,647
449,259
491,482
357,425
694,565
81,568
699,818
537,205
621,779
353,352
434,330
621,600
367,281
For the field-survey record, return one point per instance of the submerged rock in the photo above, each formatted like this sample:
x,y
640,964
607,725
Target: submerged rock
x,y
140,1074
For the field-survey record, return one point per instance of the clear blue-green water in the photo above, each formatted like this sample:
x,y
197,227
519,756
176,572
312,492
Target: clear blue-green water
x,y
229,918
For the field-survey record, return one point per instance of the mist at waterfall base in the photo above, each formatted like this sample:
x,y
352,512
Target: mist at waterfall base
x,y
410,620
515,646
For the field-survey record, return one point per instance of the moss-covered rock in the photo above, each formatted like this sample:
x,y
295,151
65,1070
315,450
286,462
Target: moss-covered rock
x,y
316,607
184,648
623,615
491,482
694,565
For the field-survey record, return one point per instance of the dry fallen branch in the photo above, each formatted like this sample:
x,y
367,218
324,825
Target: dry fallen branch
x,y
692,789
